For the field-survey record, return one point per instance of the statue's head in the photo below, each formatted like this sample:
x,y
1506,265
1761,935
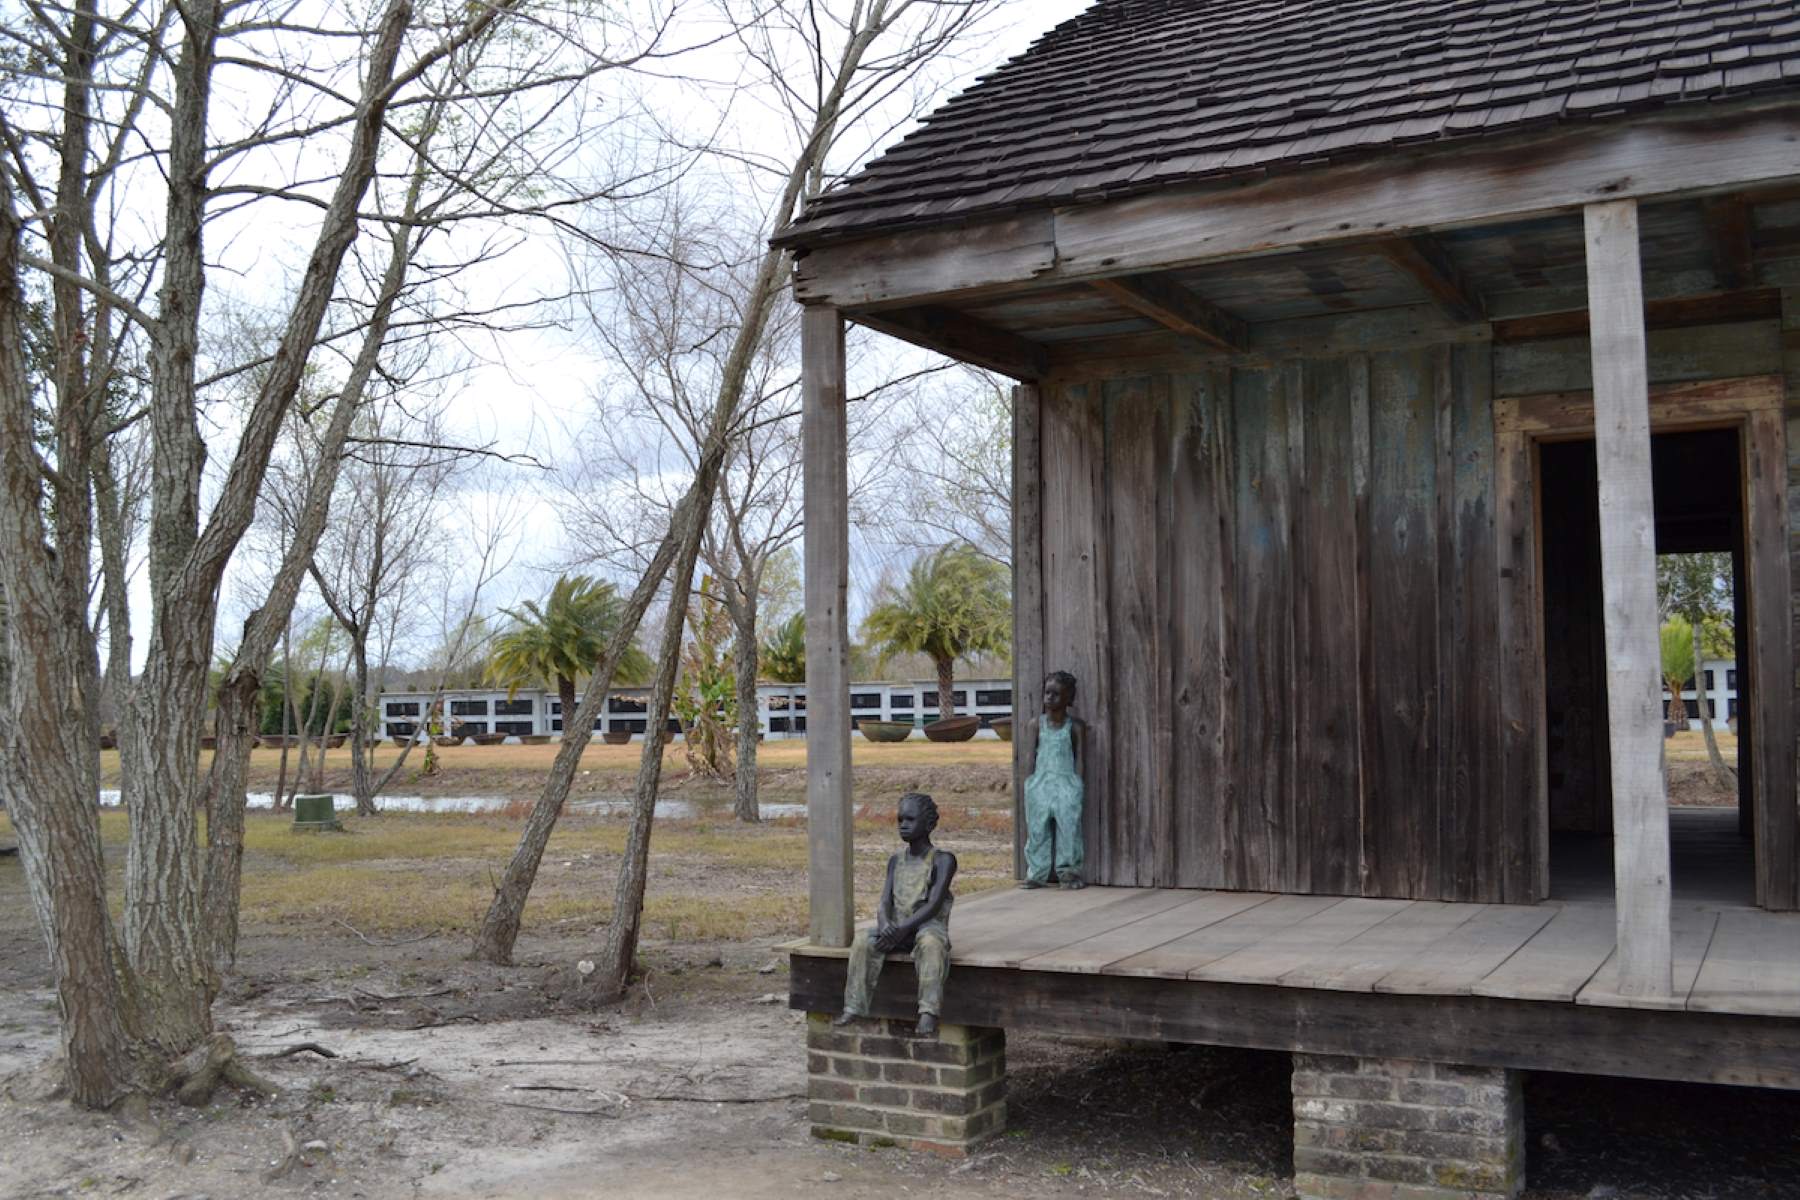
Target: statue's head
x,y
1062,684
918,813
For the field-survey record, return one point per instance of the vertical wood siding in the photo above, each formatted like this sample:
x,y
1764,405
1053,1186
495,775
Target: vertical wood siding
x,y
1303,604
1278,588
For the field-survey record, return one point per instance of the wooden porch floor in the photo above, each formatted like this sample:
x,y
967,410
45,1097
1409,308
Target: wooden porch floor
x,y
1729,957
1526,986
1727,960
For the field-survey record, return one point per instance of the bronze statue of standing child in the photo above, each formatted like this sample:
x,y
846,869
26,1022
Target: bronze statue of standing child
x,y
1054,794
914,915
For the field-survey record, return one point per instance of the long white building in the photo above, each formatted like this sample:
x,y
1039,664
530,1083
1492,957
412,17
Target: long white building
x,y
780,709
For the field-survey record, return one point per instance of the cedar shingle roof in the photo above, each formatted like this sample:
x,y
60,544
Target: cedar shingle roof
x,y
1141,93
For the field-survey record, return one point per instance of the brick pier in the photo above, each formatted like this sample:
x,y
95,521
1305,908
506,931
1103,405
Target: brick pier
x,y
1397,1129
878,1083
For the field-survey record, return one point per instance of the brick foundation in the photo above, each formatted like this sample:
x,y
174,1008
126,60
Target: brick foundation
x,y
1396,1129
878,1083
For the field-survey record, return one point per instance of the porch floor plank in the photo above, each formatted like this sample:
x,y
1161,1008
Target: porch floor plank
x,y
1559,960
1358,964
1302,943
1185,954
1753,966
1691,933
1091,956
1048,919
1456,962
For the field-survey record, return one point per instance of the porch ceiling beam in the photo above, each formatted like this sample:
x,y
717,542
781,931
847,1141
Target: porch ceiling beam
x,y
1425,260
1728,230
1174,307
964,338
1387,196
1761,304
1628,586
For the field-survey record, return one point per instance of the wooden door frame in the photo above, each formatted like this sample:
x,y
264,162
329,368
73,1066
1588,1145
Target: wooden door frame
x,y
1753,406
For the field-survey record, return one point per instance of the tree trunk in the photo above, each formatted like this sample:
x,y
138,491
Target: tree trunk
x,y
946,673
163,936
290,717
748,727
1723,776
236,729
613,971
500,927
565,692
361,772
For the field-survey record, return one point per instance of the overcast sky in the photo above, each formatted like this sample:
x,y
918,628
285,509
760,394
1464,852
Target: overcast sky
x,y
526,391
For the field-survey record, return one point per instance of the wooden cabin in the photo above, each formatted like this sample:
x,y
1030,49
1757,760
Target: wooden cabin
x,y
1368,355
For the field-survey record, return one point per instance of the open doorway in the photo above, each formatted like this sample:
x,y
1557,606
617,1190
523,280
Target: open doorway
x,y
1699,505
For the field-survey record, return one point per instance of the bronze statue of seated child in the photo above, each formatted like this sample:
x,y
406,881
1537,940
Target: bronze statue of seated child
x,y
914,915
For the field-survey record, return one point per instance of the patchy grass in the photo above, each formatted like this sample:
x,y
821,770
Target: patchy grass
x,y
711,878
1691,744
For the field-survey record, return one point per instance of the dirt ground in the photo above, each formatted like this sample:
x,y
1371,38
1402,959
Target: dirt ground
x,y
457,1079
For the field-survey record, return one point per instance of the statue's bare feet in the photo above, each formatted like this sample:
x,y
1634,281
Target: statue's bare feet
x,y
1073,883
1031,884
844,1018
927,1026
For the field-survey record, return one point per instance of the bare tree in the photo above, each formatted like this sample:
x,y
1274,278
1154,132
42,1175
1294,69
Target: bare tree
x,y
826,68
123,103
368,566
664,323
949,476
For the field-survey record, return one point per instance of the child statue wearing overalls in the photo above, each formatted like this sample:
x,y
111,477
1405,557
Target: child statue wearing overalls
x,y
1054,792
914,914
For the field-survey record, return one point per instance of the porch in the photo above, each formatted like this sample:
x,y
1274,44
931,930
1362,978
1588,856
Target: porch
x,y
1493,985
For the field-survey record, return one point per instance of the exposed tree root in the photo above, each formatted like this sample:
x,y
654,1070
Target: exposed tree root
x,y
196,1075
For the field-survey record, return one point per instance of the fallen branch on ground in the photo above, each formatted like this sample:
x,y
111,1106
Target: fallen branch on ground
x,y
302,1048
723,1099
382,945
574,1112
403,995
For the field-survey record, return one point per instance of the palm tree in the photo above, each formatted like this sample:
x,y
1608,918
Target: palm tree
x,y
562,638
784,654
955,602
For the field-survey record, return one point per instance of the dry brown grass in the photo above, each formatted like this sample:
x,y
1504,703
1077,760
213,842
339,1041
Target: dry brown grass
x,y
711,879
1691,744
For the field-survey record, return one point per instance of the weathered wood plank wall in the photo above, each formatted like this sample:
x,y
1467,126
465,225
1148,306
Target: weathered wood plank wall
x,y
1302,602
1247,569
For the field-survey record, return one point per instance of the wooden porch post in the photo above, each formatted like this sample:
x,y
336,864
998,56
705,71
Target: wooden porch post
x,y
1628,584
1028,590
827,501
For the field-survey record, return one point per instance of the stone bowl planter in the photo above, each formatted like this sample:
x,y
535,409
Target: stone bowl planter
x,y
885,731
336,741
534,739
1003,727
616,737
668,736
277,741
109,741
209,742
445,741
487,739
953,729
